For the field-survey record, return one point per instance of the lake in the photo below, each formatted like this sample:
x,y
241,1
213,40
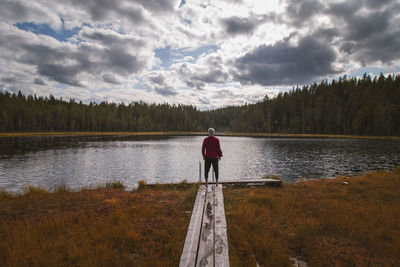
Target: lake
x,y
77,162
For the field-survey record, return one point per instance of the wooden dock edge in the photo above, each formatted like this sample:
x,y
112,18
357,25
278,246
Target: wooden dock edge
x,y
190,248
205,253
206,241
220,237
253,182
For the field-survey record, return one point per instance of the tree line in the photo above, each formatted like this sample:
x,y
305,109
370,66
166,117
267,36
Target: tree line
x,y
364,106
32,113
360,106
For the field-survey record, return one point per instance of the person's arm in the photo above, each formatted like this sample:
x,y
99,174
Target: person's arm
x,y
219,151
203,149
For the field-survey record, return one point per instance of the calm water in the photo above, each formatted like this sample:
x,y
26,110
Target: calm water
x,y
90,161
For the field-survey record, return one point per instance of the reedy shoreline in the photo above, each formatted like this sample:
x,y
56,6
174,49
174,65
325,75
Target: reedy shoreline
x,y
176,133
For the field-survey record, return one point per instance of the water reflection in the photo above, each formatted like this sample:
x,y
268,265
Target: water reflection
x,y
89,161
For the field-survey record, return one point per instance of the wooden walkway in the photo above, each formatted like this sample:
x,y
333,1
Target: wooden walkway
x,y
253,182
206,241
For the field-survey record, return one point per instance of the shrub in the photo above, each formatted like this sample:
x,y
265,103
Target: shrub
x,y
35,190
115,185
397,170
141,185
62,189
4,194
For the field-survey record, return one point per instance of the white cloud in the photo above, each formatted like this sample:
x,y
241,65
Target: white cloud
x,y
113,54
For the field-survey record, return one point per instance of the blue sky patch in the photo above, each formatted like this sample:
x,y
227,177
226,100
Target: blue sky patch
x,y
61,86
369,70
164,54
139,85
62,35
167,55
188,22
207,49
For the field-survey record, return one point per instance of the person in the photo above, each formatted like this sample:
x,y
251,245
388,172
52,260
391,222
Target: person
x,y
212,153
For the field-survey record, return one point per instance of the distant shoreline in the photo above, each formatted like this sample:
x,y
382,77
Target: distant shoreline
x,y
271,135
12,134
327,136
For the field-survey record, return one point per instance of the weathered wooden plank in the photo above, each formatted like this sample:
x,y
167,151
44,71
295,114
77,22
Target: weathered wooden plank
x,y
220,239
273,182
189,254
206,242
205,255
251,182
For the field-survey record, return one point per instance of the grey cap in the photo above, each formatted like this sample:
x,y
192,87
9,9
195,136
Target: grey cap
x,y
211,131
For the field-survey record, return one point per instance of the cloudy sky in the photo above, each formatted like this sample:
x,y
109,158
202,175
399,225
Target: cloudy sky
x,y
205,53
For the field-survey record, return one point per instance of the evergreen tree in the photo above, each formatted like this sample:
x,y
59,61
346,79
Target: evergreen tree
x,y
365,106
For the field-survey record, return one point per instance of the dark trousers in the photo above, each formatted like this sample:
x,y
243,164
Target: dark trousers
x,y
207,164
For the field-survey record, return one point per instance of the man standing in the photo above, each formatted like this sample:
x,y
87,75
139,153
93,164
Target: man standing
x,y
212,153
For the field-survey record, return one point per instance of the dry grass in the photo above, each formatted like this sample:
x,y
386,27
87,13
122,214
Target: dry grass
x,y
97,227
324,222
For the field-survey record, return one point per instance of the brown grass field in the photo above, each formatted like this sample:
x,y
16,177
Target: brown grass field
x,y
322,222
95,227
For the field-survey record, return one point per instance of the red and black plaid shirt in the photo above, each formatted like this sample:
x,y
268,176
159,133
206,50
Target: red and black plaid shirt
x,y
211,148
